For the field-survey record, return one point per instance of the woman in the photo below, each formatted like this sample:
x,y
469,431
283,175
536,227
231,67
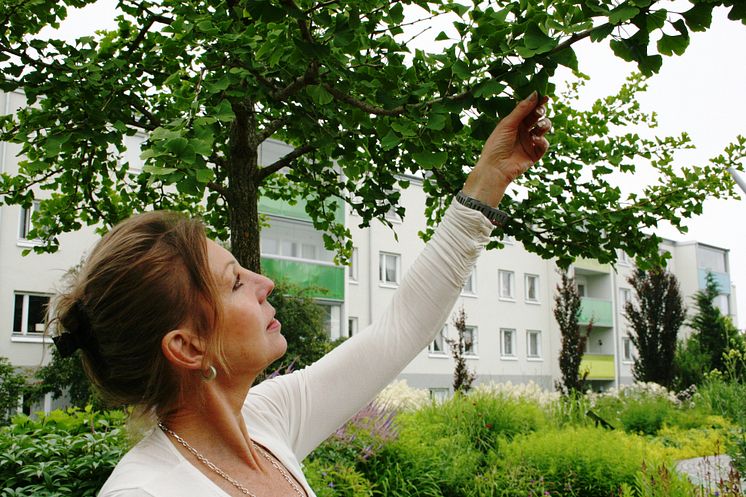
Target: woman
x,y
169,321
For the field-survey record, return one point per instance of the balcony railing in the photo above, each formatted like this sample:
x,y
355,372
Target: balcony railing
x,y
599,366
597,309
329,279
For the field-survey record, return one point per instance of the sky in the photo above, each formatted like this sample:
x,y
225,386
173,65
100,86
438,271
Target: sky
x,y
701,93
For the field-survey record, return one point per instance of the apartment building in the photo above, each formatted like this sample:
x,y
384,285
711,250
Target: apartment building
x,y
508,299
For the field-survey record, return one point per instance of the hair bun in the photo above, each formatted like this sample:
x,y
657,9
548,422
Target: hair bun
x,y
77,331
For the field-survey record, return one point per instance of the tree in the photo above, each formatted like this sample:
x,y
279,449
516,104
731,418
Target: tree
x,y
566,313
462,376
12,386
208,81
302,326
65,376
655,319
712,330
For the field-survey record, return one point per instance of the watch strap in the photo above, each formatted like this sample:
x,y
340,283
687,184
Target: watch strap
x,y
496,216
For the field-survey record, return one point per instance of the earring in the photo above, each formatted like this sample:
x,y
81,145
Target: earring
x,y
209,374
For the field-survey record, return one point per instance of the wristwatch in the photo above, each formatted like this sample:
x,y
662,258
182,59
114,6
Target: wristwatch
x,y
496,216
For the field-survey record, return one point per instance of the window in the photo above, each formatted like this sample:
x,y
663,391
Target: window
x,y
506,284
440,395
308,251
532,288
470,287
25,224
533,344
507,342
388,269
625,295
351,326
288,248
269,246
352,269
711,259
721,302
28,314
470,341
332,319
623,257
438,346
627,349
581,289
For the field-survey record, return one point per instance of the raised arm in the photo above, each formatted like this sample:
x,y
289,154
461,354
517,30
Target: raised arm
x,y
323,396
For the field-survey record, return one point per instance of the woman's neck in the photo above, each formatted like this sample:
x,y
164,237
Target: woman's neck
x,y
210,420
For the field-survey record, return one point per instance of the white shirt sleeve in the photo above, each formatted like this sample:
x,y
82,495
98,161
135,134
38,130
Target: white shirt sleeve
x,y
317,400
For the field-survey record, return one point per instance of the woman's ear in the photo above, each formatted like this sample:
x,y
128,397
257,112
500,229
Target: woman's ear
x,y
183,349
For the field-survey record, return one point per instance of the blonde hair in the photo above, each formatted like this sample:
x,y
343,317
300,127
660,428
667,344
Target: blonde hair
x,y
147,276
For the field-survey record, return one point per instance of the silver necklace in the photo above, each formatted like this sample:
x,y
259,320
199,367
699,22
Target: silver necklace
x,y
225,475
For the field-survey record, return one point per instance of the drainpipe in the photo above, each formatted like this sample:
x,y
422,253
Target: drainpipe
x,y
738,179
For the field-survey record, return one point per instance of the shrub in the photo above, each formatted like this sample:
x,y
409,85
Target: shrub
x,y
590,462
645,416
441,447
336,480
63,453
12,385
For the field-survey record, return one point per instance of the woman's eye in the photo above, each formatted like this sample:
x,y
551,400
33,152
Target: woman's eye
x,y
238,283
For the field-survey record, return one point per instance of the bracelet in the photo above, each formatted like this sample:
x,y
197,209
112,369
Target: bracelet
x,y
496,216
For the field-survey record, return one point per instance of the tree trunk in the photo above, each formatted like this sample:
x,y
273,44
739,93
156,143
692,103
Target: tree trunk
x,y
243,190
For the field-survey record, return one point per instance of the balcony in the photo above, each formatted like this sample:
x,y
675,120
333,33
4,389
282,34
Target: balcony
x,y
308,273
722,279
296,211
597,309
599,366
591,266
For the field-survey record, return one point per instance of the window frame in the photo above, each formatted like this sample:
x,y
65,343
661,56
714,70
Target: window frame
x,y
538,356
23,335
443,335
25,225
526,278
353,269
627,345
474,354
381,272
473,279
513,344
501,296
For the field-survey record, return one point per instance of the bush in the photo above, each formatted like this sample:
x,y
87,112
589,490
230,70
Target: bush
x,y
12,385
63,453
645,416
441,447
336,480
591,462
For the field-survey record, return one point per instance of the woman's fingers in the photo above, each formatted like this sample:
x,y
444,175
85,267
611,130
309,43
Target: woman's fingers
x,y
541,127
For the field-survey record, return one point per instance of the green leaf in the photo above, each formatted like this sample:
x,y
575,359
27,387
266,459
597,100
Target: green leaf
x,y
437,121
656,20
623,13
489,88
429,160
650,64
177,146
601,32
224,112
390,141
622,49
205,175
442,36
567,58
699,17
461,70
538,41
319,95
158,171
669,45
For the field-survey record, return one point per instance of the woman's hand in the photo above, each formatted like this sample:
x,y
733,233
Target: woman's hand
x,y
516,144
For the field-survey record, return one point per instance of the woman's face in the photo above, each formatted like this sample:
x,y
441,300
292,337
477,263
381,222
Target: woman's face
x,y
251,334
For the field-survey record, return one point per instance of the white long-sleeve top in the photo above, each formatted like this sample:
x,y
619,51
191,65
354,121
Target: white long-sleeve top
x,y
291,415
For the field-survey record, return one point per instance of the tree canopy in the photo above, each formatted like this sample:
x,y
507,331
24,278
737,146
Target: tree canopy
x,y
206,82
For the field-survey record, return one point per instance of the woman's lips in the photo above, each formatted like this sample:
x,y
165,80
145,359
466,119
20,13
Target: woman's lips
x,y
273,325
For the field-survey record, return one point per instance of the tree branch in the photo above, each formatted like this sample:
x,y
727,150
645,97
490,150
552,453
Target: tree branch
x,y
310,76
283,162
272,128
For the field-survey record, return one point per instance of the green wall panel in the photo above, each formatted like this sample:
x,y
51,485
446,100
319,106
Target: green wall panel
x,y
331,278
599,366
598,309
